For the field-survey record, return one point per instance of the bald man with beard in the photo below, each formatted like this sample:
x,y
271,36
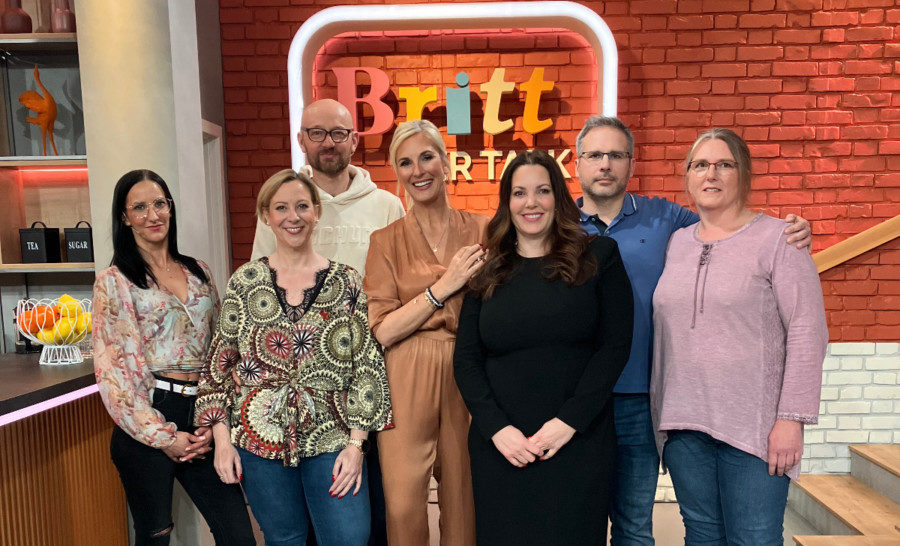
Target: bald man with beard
x,y
352,205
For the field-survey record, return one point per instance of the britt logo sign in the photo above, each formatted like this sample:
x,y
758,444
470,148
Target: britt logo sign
x,y
458,105
331,22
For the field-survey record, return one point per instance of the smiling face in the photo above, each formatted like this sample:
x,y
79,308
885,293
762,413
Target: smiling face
x,y
327,156
606,178
718,188
292,215
150,228
422,169
531,202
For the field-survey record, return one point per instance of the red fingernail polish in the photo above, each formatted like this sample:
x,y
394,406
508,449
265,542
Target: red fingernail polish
x,y
332,478
241,478
342,496
333,495
354,494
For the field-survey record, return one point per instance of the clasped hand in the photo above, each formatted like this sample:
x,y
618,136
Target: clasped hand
x,y
187,446
544,444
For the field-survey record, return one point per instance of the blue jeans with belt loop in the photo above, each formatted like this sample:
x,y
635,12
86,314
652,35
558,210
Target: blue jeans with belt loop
x,y
280,496
726,495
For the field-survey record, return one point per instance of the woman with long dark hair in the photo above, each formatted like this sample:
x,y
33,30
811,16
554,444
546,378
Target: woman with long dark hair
x,y
154,311
543,335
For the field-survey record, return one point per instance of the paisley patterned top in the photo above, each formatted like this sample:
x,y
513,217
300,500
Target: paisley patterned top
x,y
137,332
304,384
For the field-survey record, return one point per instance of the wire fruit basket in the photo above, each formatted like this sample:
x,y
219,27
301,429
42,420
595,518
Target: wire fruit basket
x,y
60,325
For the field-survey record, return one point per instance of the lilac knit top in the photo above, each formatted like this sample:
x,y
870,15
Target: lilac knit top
x,y
739,336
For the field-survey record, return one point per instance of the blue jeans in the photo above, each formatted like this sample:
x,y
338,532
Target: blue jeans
x,y
726,496
636,472
280,496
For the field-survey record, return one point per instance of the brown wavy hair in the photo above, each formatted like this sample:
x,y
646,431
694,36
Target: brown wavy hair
x,y
569,258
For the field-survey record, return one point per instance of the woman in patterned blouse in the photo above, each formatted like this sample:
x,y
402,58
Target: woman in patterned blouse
x,y
310,380
154,311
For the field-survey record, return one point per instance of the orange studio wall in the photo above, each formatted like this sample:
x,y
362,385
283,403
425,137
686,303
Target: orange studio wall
x,y
812,85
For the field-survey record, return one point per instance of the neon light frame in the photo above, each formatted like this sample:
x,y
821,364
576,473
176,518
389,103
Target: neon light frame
x,y
340,19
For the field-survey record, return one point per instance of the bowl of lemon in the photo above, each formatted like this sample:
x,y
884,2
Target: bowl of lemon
x,y
58,324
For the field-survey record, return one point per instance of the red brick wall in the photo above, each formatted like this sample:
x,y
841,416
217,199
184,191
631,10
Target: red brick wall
x,y
812,85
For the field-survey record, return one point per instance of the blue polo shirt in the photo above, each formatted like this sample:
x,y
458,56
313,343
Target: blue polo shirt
x,y
642,229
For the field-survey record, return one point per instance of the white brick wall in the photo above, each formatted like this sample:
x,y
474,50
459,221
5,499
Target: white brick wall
x,y
860,405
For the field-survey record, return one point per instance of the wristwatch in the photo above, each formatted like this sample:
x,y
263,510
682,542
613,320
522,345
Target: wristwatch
x,y
361,445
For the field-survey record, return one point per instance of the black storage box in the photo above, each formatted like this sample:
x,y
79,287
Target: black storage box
x,y
39,245
79,245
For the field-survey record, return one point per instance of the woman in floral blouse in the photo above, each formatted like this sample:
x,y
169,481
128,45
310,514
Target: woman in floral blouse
x,y
154,310
310,380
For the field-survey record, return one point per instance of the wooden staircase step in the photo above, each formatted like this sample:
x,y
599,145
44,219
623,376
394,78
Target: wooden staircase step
x,y
887,456
843,540
855,504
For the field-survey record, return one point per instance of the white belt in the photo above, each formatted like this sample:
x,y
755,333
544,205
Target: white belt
x,y
187,390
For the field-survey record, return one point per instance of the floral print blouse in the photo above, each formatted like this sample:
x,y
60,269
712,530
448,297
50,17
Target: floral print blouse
x,y
304,384
137,332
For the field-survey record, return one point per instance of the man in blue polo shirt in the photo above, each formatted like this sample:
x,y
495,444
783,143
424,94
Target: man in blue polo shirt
x,y
641,226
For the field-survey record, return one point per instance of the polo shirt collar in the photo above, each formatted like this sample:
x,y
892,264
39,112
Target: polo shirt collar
x,y
629,207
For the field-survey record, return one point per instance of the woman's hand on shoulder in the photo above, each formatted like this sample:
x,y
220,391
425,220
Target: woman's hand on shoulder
x,y
799,231
552,437
785,446
512,444
347,472
464,264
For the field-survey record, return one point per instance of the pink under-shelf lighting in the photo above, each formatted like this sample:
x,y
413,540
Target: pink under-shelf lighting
x,y
17,415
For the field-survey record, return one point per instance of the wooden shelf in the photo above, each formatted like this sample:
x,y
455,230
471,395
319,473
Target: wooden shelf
x,y
63,267
43,161
40,41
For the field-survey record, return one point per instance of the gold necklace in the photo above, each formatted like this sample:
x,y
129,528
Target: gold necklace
x,y
441,238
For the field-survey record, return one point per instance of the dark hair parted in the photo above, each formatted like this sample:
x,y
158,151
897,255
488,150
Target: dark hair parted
x,y
569,258
126,255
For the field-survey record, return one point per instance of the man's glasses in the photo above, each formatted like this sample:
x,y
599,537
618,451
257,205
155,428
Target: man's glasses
x,y
700,167
597,156
317,134
142,210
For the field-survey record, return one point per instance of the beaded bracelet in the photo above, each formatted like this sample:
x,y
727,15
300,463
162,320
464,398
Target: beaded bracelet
x,y
433,300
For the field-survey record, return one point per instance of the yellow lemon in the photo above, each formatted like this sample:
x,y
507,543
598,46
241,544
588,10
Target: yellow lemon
x,y
64,328
46,336
83,323
69,308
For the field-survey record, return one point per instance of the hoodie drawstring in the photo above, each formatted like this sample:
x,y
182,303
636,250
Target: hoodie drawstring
x,y
704,266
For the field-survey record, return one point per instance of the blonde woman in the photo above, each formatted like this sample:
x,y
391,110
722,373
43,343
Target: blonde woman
x,y
416,270
312,385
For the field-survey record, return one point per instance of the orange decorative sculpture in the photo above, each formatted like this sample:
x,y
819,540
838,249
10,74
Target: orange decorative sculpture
x,y
45,107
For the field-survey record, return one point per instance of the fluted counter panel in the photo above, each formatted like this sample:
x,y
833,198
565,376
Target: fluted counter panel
x,y
57,483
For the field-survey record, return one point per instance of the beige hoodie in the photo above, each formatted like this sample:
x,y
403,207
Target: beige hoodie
x,y
348,219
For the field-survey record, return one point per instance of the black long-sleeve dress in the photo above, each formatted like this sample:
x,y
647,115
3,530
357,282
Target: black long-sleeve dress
x,y
533,351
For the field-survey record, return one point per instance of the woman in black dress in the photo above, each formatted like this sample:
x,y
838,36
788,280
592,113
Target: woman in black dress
x,y
543,335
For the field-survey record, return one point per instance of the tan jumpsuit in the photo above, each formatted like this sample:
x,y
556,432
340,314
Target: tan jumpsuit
x,y
430,418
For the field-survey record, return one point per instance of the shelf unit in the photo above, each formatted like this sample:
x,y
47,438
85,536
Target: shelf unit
x,y
52,189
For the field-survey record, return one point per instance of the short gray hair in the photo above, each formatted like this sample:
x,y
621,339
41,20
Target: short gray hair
x,y
594,122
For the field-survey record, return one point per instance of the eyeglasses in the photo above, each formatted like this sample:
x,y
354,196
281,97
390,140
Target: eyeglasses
x,y
141,210
724,167
596,156
317,134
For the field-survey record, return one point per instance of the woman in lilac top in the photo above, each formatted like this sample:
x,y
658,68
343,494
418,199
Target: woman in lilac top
x,y
740,336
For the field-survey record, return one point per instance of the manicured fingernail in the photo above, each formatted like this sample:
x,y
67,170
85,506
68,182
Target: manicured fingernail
x,y
332,477
241,478
354,494
333,495
342,496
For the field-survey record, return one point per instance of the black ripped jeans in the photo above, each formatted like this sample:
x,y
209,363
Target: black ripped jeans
x,y
148,476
